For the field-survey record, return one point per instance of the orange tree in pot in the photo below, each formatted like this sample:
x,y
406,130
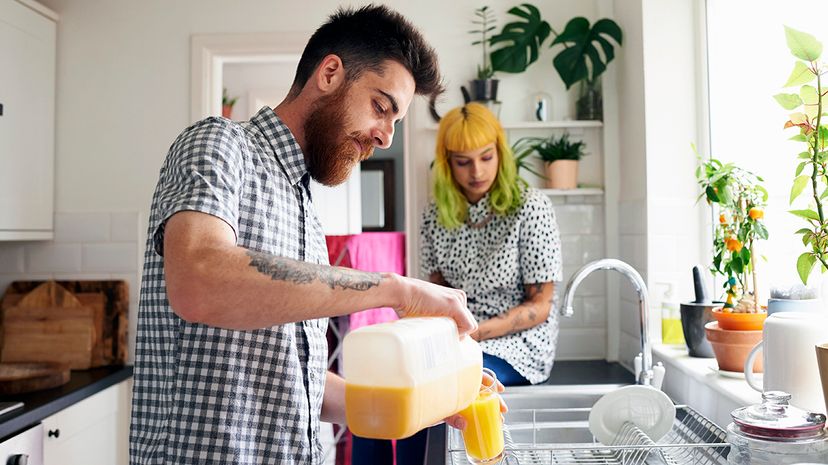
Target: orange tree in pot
x,y
739,201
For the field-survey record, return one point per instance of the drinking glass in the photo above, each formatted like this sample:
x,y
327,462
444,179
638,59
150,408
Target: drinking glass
x,y
483,436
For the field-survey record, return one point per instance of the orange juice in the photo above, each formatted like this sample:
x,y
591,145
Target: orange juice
x,y
398,412
483,435
403,376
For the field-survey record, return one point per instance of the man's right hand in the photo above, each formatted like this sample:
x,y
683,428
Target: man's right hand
x,y
422,298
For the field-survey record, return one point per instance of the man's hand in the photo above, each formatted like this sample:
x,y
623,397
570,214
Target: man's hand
x,y
457,420
422,298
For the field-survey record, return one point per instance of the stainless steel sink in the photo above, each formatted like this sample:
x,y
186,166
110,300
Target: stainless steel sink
x,y
550,425
551,396
552,414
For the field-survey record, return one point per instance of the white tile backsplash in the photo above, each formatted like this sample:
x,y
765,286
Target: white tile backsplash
x,y
12,258
595,311
53,257
571,250
581,344
125,227
592,248
580,219
82,227
112,257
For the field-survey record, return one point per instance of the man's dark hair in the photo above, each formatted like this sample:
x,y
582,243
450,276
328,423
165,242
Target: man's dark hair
x,y
364,39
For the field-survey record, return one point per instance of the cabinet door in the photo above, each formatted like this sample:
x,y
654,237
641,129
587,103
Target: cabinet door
x,y
92,432
27,125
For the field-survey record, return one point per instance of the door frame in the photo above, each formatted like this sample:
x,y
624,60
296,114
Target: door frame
x,y
209,53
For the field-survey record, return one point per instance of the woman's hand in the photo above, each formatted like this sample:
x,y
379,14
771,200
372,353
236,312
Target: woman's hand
x,y
457,421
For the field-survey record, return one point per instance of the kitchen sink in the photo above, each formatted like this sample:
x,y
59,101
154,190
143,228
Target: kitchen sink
x,y
551,396
549,424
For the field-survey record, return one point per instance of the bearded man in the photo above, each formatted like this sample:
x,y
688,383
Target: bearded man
x,y
231,355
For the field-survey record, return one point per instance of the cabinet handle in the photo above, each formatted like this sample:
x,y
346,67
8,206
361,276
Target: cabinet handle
x,y
54,433
1,109
18,459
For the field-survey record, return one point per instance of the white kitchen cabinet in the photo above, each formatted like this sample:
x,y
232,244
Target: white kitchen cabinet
x,y
93,431
27,124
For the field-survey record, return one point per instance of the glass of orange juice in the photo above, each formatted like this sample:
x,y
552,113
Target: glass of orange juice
x,y
483,436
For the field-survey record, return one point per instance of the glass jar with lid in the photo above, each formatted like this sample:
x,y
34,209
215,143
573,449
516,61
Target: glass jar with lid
x,y
776,433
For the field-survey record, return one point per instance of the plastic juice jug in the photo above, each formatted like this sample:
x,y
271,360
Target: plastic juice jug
x,y
483,436
403,376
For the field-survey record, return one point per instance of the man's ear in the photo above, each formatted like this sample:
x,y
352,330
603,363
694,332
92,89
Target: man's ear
x,y
330,74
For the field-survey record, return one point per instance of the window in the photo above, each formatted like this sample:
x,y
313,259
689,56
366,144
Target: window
x,y
748,62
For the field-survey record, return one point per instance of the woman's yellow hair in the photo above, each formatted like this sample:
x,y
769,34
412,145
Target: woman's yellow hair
x,y
468,128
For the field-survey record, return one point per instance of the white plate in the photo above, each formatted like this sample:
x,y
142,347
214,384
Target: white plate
x,y
644,406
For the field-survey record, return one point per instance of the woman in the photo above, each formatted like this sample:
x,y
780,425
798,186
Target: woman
x,y
496,239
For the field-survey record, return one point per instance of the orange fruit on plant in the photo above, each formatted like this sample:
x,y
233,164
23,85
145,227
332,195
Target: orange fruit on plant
x,y
756,213
722,219
733,244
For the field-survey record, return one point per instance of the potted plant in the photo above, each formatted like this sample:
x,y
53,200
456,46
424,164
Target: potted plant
x,y
808,118
227,104
484,88
739,201
579,61
560,157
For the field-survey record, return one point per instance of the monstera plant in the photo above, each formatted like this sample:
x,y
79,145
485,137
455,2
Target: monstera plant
x,y
587,50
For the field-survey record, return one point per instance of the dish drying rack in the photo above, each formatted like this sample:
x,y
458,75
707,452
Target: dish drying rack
x,y
693,439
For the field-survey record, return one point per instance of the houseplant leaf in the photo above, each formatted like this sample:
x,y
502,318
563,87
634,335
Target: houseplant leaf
x,y
804,265
810,98
799,185
803,45
578,38
807,214
521,40
788,101
801,74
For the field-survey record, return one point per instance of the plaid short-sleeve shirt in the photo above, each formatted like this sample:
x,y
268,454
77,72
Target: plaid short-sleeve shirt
x,y
206,395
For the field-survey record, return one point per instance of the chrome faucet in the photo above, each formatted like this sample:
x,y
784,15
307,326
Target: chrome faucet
x,y
644,375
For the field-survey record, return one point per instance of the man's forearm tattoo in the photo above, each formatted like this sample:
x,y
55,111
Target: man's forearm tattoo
x,y
285,269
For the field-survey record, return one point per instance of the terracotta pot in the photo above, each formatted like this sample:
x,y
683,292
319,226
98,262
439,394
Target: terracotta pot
x,y
562,174
227,111
740,321
732,347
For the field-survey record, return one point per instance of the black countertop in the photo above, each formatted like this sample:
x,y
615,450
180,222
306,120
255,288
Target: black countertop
x,y
563,373
42,404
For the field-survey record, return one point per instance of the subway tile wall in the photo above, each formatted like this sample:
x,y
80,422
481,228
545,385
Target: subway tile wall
x,y
110,245
581,223
87,246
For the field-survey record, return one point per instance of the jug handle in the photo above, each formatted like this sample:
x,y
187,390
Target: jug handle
x,y
749,367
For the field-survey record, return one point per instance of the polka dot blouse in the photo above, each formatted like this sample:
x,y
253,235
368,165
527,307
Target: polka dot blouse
x,y
492,257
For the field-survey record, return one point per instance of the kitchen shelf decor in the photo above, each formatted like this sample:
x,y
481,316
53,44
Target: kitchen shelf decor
x,y
579,62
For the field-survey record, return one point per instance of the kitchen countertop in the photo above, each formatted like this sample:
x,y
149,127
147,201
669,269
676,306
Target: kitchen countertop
x,y
563,373
42,404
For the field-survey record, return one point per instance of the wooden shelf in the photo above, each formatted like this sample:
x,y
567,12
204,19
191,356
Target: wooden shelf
x,y
576,191
561,124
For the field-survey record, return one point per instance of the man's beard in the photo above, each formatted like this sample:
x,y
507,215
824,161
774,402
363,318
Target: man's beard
x,y
330,155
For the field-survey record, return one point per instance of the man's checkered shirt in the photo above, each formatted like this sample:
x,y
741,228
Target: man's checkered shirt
x,y
206,395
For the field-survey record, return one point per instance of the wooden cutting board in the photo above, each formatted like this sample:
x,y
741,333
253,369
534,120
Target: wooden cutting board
x,y
16,378
82,323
